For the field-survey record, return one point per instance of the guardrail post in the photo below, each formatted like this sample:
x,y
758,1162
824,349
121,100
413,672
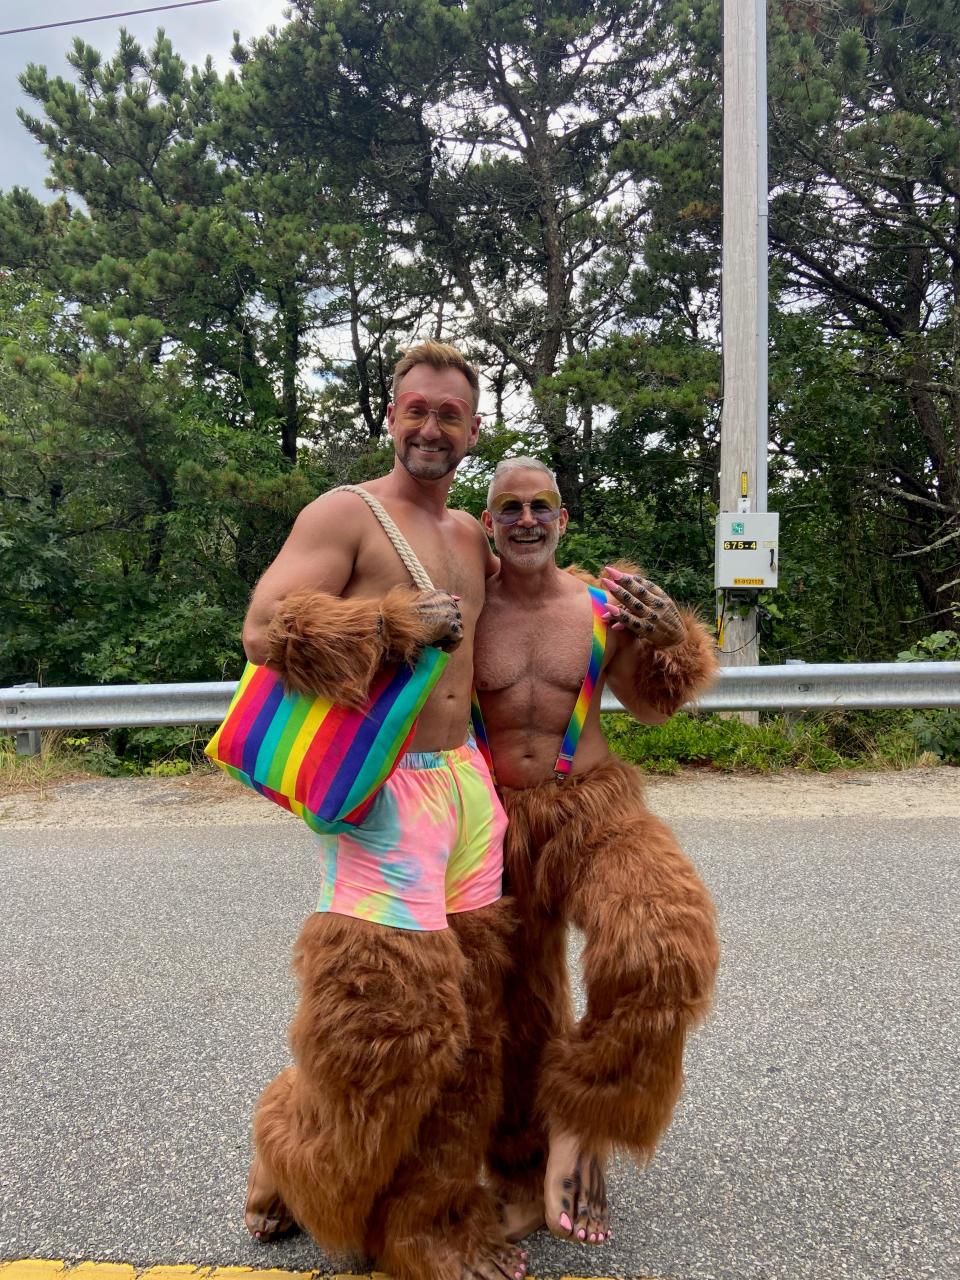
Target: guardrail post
x,y
27,741
792,718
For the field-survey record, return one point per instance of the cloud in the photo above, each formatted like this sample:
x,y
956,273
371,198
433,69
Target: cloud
x,y
194,33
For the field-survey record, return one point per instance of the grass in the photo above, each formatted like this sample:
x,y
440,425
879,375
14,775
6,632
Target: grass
x,y
56,763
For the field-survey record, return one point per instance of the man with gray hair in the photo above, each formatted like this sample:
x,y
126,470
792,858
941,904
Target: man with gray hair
x,y
582,848
506,465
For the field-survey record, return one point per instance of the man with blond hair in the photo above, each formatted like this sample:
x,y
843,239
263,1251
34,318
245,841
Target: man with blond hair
x,y
582,848
373,1141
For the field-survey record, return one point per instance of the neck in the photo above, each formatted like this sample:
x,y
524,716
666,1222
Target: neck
x,y
530,584
427,494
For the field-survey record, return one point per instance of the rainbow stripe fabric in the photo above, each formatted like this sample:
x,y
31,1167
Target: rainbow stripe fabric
x,y
568,748
319,760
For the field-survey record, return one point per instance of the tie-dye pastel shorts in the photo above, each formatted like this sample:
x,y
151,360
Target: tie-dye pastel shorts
x,y
431,845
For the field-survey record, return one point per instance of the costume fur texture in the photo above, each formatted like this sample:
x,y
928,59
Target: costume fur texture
x,y
375,1137
324,644
667,678
587,851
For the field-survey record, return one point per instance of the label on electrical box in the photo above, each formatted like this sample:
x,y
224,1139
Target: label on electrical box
x,y
746,549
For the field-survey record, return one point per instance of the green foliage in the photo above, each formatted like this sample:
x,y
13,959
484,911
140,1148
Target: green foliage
x,y
725,744
197,330
939,646
820,742
161,752
864,228
937,731
127,517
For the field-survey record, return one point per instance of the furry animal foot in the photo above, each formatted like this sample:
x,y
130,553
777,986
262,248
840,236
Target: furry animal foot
x,y
497,1262
521,1218
575,1191
265,1215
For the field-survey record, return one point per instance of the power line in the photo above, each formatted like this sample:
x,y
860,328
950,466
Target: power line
x,y
102,17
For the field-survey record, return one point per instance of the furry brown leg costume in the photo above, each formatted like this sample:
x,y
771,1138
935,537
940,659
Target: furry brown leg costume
x,y
434,1194
374,1140
380,1028
588,851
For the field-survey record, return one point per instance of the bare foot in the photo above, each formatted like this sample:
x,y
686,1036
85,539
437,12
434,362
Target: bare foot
x,y
497,1262
521,1218
575,1191
266,1216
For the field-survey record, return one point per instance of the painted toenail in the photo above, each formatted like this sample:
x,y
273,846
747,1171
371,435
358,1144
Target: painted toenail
x,y
565,1222
581,1234
593,1236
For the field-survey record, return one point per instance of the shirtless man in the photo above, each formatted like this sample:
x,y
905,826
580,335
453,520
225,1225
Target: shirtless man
x,y
583,848
374,1139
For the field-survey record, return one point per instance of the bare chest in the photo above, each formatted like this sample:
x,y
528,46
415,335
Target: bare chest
x,y
534,648
450,556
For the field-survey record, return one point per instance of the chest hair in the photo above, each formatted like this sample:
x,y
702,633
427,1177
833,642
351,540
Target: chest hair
x,y
523,648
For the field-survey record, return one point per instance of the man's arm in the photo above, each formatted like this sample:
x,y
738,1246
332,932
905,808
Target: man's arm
x,y
299,624
665,655
318,555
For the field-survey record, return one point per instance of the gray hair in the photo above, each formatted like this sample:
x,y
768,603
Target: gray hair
x,y
519,464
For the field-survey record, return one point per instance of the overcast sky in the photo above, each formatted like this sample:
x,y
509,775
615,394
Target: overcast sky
x,y
193,32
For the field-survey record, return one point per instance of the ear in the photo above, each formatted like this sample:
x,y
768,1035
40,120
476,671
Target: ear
x,y
486,519
474,431
562,522
391,425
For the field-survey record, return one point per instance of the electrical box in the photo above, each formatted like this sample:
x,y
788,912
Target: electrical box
x,y
747,550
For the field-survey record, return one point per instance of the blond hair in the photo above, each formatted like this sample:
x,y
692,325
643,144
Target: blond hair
x,y
439,355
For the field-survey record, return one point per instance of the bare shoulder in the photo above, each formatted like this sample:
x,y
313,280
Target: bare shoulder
x,y
470,523
332,512
474,535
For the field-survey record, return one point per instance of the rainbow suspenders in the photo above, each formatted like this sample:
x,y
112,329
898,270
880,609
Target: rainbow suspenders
x,y
568,747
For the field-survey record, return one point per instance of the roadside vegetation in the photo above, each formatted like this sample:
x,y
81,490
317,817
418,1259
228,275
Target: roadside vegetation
x,y
820,741
198,321
199,317
816,742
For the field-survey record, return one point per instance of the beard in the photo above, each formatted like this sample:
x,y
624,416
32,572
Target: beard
x,y
526,550
424,466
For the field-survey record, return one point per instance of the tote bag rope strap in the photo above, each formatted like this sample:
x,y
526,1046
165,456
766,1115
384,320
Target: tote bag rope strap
x,y
401,545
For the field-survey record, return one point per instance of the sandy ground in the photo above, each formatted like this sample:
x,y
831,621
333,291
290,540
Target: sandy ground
x,y
214,799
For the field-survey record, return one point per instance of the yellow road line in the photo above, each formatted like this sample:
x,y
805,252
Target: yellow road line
x,y
54,1269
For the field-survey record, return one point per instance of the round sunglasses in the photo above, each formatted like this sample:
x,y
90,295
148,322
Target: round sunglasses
x,y
413,410
508,508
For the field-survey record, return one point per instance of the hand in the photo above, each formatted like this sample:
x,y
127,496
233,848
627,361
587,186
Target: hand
x,y
442,611
645,610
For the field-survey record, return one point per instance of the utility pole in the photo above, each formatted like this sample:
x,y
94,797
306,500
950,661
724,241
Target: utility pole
x,y
743,429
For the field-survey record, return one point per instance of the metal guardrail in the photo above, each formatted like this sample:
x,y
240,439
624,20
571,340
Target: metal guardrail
x,y
793,687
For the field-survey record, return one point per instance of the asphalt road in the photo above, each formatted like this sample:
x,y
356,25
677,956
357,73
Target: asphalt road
x,y
146,995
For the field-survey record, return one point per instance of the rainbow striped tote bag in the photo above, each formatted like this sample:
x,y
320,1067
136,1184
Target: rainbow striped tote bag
x,y
321,761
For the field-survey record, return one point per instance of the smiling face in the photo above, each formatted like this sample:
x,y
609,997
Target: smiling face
x,y
519,497
432,445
